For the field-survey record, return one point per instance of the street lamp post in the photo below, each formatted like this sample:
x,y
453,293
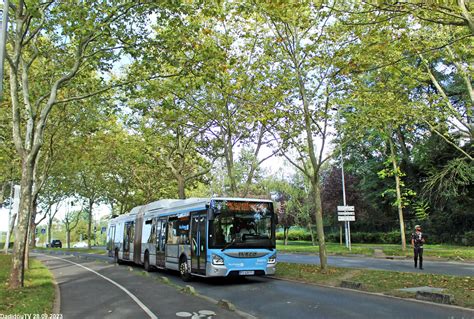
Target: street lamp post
x,y
347,227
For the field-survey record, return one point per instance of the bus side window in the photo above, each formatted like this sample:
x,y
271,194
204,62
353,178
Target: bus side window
x,y
172,232
152,237
164,227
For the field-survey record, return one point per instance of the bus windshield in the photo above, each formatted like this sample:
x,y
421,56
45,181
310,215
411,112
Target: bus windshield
x,y
242,224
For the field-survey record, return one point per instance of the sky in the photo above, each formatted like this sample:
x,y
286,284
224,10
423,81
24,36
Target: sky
x,y
99,211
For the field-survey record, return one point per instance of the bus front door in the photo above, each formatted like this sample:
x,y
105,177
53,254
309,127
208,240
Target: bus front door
x,y
160,243
198,243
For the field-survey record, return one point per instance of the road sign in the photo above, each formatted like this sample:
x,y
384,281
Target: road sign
x,y
345,208
103,229
345,213
43,231
346,218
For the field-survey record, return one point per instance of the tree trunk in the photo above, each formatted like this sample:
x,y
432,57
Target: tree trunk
x,y
315,166
27,248
398,190
50,224
17,272
285,233
181,187
229,159
68,238
319,225
33,236
313,241
32,228
340,234
89,226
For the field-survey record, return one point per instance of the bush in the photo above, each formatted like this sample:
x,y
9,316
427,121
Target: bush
x,y
295,234
468,239
392,237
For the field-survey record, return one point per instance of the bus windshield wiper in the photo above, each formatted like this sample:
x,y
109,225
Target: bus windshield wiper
x,y
229,244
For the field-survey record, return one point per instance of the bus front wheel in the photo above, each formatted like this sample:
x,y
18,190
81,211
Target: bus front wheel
x,y
184,269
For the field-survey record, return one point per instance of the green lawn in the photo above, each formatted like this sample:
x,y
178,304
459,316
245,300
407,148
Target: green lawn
x,y
36,297
386,282
80,250
439,251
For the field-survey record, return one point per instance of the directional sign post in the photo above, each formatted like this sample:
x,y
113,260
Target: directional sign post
x,y
346,218
346,214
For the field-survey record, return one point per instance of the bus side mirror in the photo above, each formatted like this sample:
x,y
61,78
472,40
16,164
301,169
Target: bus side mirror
x,y
211,214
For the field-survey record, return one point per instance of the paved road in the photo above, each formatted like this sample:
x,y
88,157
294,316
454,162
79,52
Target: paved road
x,y
432,267
278,299
271,298
110,291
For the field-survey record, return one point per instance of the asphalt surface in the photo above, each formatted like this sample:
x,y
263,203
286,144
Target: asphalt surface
x,y
275,299
85,294
259,296
429,266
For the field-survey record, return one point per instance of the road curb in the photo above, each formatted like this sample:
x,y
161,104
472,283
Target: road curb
x,y
57,297
377,294
435,297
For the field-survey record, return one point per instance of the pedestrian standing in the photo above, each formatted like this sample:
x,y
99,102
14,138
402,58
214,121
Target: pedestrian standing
x,y
417,241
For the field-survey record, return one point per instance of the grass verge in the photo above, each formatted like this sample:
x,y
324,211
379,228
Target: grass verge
x,y
386,282
451,252
79,250
332,248
36,297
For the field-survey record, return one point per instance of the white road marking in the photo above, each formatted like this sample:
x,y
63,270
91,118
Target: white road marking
x,y
134,298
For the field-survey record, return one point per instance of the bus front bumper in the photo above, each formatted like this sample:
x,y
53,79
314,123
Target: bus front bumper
x,y
223,271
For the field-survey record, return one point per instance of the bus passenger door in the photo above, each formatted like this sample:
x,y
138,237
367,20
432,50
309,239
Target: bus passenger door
x,y
198,242
160,242
111,240
128,237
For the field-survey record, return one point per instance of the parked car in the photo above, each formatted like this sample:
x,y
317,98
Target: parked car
x,y
80,244
56,243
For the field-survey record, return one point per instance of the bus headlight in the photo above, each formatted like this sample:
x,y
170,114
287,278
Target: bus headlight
x,y
217,260
272,259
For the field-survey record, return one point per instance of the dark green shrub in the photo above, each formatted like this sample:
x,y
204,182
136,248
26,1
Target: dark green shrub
x,y
468,239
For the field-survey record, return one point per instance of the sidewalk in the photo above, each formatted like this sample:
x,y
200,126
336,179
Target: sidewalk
x,y
94,289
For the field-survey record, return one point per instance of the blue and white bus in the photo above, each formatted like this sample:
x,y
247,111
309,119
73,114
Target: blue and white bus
x,y
206,237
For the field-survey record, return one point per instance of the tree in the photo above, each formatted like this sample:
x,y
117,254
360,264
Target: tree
x,y
308,46
95,35
71,220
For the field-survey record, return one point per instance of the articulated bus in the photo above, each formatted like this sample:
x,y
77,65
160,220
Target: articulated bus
x,y
198,237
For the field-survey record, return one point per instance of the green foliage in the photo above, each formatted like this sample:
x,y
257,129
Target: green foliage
x,y
295,234
469,238
421,210
451,180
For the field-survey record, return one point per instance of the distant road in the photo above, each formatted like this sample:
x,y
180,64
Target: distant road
x,y
431,267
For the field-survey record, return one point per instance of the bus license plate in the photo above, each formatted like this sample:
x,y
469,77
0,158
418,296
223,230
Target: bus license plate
x,y
246,272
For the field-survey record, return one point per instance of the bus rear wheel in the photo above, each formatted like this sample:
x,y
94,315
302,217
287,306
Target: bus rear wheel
x,y
146,262
116,257
184,269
